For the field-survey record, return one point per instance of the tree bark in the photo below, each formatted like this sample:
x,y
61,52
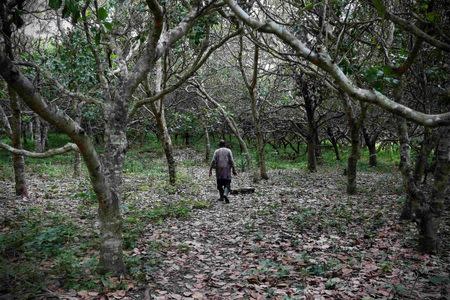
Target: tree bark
x,y
38,135
312,131
17,159
371,142
430,218
354,124
77,155
334,143
422,158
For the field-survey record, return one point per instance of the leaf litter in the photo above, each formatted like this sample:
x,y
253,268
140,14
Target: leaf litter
x,y
299,236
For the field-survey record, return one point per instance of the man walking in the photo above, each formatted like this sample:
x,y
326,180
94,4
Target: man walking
x,y
223,163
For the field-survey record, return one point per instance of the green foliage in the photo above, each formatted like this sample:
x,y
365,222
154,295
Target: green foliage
x,y
380,76
38,236
379,7
87,196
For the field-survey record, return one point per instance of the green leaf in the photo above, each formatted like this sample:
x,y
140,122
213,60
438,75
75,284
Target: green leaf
x,y
432,17
102,13
108,25
309,6
54,4
379,6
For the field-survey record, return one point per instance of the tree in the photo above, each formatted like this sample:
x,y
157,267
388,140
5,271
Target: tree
x,y
118,77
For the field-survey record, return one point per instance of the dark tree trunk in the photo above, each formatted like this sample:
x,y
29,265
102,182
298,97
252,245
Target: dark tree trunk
x,y
312,137
334,143
430,218
187,138
371,142
422,158
18,160
353,159
354,124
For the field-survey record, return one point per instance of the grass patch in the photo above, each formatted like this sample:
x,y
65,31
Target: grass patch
x,y
41,246
136,219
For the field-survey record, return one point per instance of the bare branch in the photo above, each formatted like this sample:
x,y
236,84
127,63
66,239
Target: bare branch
x,y
5,122
52,152
201,59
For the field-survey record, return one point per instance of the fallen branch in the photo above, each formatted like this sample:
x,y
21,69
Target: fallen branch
x,y
246,190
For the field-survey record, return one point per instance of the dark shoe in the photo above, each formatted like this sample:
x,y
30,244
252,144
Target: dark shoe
x,y
220,199
226,199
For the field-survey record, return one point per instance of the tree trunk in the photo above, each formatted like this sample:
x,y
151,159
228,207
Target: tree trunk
x,y
77,155
207,144
44,135
107,196
422,159
312,147
17,159
334,143
430,218
114,157
371,146
353,159
312,162
38,135
157,109
166,141
372,155
354,124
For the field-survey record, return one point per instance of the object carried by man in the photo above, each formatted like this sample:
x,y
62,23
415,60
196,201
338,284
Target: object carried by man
x,y
223,163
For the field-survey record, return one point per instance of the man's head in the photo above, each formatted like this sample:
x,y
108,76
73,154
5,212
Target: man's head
x,y
222,144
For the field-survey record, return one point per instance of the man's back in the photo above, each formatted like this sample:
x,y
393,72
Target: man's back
x,y
223,162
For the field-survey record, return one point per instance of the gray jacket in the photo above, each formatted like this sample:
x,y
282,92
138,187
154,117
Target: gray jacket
x,y
223,163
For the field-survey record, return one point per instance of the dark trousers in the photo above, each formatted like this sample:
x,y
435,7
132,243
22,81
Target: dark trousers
x,y
222,184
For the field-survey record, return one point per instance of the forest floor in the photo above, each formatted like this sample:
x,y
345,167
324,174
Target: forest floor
x,y
299,236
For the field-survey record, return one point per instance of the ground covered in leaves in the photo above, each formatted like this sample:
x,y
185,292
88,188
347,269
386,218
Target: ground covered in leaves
x,y
299,236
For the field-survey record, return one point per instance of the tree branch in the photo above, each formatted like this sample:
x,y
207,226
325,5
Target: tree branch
x,y
324,61
5,122
60,86
406,25
182,79
52,152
